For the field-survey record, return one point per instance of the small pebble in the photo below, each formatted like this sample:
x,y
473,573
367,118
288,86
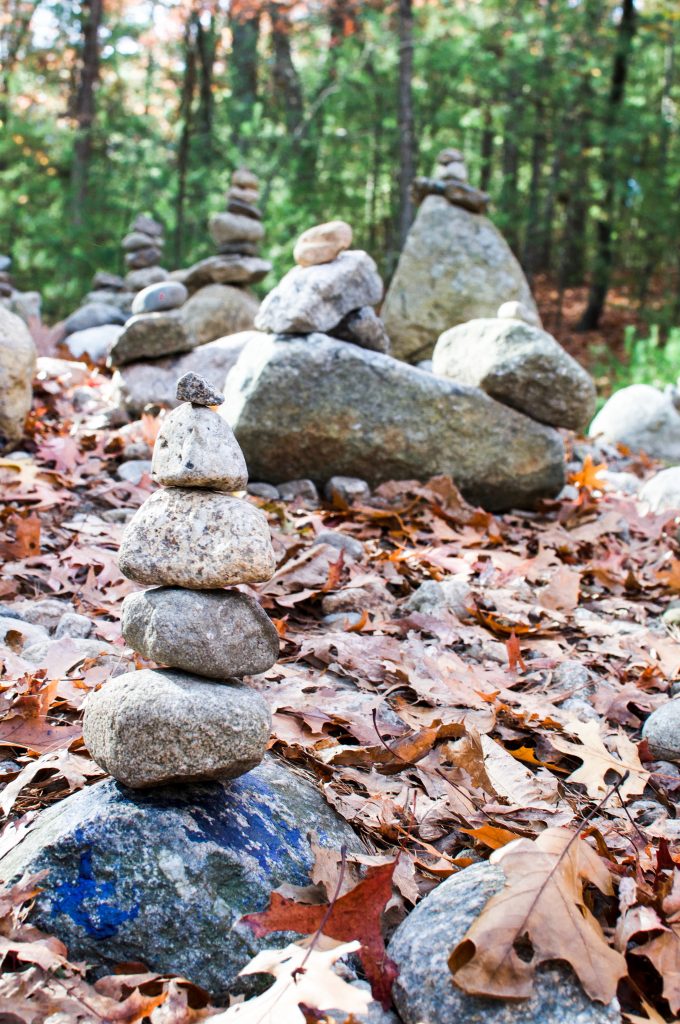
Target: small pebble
x,y
267,491
72,624
292,490
350,545
345,490
197,390
132,472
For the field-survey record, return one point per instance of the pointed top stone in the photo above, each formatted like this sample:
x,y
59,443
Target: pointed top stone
x,y
197,390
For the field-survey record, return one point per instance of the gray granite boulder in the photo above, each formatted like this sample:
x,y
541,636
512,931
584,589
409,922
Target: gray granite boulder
x,y
213,633
139,384
317,298
455,266
149,335
94,314
154,727
643,418
662,491
217,310
196,447
162,876
662,731
424,989
316,407
17,369
197,539
519,365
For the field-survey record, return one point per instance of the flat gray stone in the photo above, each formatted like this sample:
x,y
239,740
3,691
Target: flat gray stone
x,y
155,727
196,539
74,625
232,227
213,633
424,989
160,296
162,876
137,240
436,596
228,269
94,314
455,266
149,256
315,407
135,280
317,298
196,447
520,365
643,418
95,342
148,335
662,731
133,470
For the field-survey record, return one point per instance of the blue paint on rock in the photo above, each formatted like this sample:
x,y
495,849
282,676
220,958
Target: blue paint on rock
x,y
162,876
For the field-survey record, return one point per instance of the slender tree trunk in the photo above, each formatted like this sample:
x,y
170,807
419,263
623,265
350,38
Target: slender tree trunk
x,y
533,239
286,79
407,140
187,118
545,251
206,48
486,151
610,172
85,106
510,157
243,75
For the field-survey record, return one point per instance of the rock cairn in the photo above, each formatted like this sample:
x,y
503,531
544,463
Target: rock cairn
x,y
156,327
236,234
332,290
194,719
143,244
450,180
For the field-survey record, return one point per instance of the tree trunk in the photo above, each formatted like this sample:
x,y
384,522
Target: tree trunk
x,y
486,152
533,239
243,74
407,141
286,79
206,46
508,200
186,115
85,106
610,172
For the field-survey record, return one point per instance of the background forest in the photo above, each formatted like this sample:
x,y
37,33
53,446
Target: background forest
x,y
566,111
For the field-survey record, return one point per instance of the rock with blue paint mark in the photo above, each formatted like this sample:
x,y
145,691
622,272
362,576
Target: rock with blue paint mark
x,y
163,876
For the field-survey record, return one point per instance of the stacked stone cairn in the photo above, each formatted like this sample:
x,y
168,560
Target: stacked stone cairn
x,y
332,290
143,248
450,180
194,719
236,234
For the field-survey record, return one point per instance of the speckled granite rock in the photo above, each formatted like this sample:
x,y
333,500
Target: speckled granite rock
x,y
214,633
196,447
191,387
197,539
424,990
158,726
162,876
149,335
662,731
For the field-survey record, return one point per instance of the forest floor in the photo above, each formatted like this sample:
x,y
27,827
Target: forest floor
x,y
440,736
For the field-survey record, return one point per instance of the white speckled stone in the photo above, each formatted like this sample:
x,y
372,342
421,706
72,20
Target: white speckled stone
x,y
197,539
196,447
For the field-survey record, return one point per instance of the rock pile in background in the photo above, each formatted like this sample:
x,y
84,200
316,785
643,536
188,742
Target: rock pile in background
x,y
307,406
194,720
17,369
455,266
236,234
643,418
519,365
24,304
333,289
143,248
155,328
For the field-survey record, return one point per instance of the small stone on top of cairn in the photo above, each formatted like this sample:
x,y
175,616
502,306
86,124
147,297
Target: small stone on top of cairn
x,y
450,180
196,389
195,719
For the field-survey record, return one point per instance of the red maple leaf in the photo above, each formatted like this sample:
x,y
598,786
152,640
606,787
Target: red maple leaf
x,y
356,915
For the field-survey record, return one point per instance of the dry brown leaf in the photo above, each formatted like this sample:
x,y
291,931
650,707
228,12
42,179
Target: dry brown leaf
x,y
597,761
542,900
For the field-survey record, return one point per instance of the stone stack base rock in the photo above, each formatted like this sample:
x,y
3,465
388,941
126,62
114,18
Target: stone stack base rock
x,y
194,719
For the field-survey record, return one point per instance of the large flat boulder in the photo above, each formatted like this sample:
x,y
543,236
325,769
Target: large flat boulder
x,y
313,407
519,365
644,419
17,369
154,383
455,266
162,876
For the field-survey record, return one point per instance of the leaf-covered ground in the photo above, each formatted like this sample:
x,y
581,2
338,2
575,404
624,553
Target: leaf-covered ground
x,y
441,735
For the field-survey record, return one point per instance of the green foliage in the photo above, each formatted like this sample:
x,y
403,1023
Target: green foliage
x,y
648,361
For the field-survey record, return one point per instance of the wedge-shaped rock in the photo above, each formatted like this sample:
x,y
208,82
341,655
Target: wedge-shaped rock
x,y
196,447
214,633
151,727
315,408
196,539
149,335
317,298
519,365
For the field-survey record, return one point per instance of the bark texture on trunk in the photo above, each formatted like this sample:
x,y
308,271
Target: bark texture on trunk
x,y
407,140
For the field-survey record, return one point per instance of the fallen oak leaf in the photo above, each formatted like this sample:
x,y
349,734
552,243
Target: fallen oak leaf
x,y
589,477
314,985
356,915
664,950
543,901
597,761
